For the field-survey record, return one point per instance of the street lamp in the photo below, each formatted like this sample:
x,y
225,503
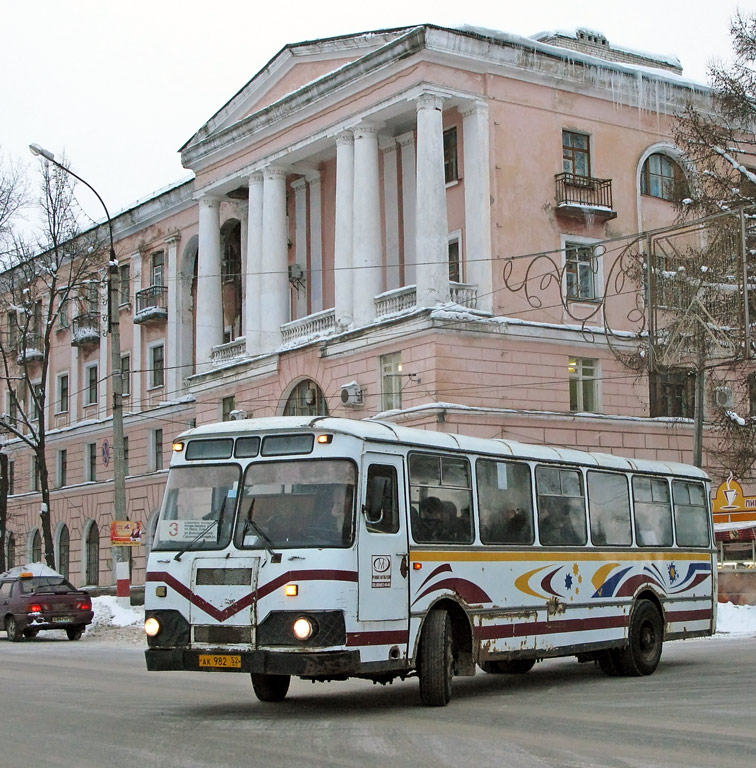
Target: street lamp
x,y
119,474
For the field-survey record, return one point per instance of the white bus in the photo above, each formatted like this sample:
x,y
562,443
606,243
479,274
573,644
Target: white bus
x,y
328,548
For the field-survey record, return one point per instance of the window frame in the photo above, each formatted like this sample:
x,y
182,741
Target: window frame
x,y
578,378
124,284
157,373
157,269
60,390
663,186
92,386
390,370
575,268
570,153
90,466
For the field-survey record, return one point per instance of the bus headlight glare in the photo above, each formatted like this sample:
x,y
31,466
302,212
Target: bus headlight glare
x,y
152,627
303,628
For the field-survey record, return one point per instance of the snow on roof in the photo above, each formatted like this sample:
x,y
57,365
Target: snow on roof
x,y
38,569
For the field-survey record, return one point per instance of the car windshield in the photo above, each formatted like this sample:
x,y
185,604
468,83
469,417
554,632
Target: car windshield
x,y
198,508
45,584
297,504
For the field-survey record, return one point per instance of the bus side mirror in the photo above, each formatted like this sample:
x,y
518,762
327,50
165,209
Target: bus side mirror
x,y
373,507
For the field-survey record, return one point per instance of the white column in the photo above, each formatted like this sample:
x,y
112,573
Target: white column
x,y
103,367
173,377
478,202
431,228
391,208
342,249
407,149
136,340
367,251
316,242
274,285
209,309
300,245
253,274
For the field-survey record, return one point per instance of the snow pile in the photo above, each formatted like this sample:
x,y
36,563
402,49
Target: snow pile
x,y
114,622
736,619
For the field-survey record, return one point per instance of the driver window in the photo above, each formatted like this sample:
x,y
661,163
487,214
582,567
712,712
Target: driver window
x,y
381,500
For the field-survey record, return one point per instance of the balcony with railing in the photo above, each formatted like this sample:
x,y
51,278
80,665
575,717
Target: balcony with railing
x,y
85,330
151,304
584,197
404,299
231,350
29,349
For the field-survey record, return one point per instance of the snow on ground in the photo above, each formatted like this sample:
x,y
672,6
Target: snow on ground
x,y
736,620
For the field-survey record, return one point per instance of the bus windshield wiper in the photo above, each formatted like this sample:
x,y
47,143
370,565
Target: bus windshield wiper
x,y
250,523
194,540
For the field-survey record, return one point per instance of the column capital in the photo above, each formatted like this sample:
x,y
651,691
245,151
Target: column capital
x,y
299,183
173,239
314,177
345,137
255,178
387,143
209,202
406,139
477,106
366,129
429,100
272,172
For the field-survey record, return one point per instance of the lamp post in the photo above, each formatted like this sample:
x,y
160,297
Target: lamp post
x,y
119,474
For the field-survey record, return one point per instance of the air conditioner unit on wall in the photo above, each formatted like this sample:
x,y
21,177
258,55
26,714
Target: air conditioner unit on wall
x,y
351,395
723,397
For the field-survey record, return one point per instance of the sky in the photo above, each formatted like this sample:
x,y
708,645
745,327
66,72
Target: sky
x,y
117,88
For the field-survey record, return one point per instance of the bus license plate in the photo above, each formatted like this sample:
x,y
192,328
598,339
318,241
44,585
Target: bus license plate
x,y
225,661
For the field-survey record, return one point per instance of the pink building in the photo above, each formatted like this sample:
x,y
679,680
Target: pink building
x,y
361,214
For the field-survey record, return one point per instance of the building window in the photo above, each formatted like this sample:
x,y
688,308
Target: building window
x,y
92,380
673,393
12,408
306,399
36,547
391,381
451,168
34,474
158,266
125,375
63,393
92,298
157,449
583,385
62,468
11,477
92,576
581,267
157,369
64,552
11,554
126,456
576,157
228,404
35,401
63,319
124,284
455,263
91,459
662,177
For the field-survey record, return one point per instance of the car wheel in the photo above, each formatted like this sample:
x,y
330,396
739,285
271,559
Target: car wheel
x,y
12,630
74,633
270,687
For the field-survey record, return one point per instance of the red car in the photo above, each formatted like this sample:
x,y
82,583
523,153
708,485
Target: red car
x,y
29,603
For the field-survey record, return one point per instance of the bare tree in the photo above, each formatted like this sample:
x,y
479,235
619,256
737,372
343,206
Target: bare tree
x,y
42,286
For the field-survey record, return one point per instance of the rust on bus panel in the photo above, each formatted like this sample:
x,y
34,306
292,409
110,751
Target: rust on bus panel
x,y
555,606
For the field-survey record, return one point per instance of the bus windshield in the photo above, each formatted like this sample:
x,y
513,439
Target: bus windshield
x,y
297,504
198,508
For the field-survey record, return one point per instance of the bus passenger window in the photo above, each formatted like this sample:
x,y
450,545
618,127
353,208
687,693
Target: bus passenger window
x,y
691,514
381,502
504,502
561,507
653,512
609,509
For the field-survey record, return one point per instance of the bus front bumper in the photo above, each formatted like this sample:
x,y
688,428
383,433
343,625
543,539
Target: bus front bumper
x,y
325,664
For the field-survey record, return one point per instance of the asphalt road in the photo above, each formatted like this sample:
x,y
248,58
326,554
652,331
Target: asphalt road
x,y
93,704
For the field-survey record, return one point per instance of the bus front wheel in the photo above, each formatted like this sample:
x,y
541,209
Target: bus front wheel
x,y
646,635
436,660
270,687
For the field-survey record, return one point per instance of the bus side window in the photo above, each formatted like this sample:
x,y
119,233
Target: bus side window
x,y
609,509
505,502
653,512
561,507
691,515
381,501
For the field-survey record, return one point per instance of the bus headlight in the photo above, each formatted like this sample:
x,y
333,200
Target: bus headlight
x,y
304,628
152,627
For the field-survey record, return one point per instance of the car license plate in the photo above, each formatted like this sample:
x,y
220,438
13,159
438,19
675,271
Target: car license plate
x,y
62,619
220,661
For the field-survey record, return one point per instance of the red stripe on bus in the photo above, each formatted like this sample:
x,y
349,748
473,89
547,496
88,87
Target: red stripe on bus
x,y
704,614
384,637
523,629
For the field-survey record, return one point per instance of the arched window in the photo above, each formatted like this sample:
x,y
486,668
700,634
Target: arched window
x,y
10,560
64,549
36,548
93,554
662,177
306,399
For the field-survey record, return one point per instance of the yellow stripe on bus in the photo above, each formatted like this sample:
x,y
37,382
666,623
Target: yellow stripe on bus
x,y
456,556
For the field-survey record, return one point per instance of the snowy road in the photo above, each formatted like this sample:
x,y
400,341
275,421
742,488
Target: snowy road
x,y
92,704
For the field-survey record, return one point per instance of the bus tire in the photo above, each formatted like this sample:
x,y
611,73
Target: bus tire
x,y
645,638
270,687
609,662
508,667
436,660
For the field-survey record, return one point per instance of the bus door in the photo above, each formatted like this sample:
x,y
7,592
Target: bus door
x,y
383,546
223,591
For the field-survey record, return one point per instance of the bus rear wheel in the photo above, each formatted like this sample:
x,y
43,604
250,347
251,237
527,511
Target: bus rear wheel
x,y
646,636
270,687
436,660
509,667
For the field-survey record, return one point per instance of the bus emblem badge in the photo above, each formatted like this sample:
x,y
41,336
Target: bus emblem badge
x,y
381,571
